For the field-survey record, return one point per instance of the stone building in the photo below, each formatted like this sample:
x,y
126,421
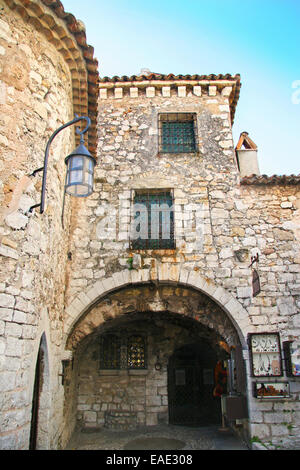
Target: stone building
x,y
174,284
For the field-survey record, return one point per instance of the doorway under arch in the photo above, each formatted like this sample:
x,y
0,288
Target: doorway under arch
x,y
191,384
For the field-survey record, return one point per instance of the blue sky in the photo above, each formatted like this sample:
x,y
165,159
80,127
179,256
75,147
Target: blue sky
x,y
260,40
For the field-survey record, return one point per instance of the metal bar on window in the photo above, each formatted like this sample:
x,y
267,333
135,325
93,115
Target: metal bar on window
x,y
177,133
154,221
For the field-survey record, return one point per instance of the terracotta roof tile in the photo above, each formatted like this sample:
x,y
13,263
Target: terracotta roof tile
x,y
171,77
77,28
271,180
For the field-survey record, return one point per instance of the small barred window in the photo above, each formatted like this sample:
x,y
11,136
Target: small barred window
x,y
136,352
177,133
121,352
110,352
153,224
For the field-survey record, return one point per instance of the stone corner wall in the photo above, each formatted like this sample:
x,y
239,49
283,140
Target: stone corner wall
x,y
35,99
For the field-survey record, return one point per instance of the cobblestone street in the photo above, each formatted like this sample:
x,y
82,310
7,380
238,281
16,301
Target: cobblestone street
x,y
162,437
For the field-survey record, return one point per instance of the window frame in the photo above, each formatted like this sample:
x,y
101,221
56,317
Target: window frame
x,y
123,342
145,244
177,117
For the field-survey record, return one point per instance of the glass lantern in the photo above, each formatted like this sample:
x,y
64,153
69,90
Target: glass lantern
x,y
80,172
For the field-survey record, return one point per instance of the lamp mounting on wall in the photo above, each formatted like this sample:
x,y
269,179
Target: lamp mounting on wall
x,y
80,166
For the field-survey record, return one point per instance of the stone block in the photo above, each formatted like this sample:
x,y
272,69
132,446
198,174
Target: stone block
x,y
14,347
7,301
8,252
118,93
219,214
244,292
16,220
226,144
227,91
286,306
166,91
13,329
95,291
163,271
182,91
184,275
197,90
90,416
150,92
134,92
103,93
151,419
260,430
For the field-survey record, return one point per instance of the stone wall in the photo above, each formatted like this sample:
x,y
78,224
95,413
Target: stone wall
x,y
129,160
55,277
237,222
35,99
272,214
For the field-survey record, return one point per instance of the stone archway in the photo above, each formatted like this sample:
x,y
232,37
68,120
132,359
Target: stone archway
x,y
168,316
165,274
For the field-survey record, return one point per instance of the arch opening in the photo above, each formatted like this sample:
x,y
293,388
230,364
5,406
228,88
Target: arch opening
x,y
171,321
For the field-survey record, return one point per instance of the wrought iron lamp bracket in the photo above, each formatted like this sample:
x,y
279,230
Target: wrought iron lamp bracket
x,y
77,119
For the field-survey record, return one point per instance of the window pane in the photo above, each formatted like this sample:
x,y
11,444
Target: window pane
x,y
136,352
178,137
154,226
76,163
75,176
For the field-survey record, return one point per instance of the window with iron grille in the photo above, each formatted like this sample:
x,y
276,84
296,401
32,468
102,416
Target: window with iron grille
x,y
136,352
124,352
177,133
153,221
110,353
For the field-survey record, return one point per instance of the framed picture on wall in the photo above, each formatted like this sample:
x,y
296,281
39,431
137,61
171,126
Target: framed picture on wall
x,y
266,390
265,354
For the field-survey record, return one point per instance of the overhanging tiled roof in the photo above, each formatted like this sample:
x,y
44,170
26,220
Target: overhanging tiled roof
x,y
170,76
155,77
76,27
35,12
271,180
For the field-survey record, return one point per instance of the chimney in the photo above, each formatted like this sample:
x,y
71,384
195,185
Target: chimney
x,y
246,154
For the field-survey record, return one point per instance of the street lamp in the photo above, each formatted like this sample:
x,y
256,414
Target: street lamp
x,y
80,166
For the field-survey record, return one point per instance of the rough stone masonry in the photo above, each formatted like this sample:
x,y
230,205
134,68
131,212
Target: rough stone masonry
x,y
64,286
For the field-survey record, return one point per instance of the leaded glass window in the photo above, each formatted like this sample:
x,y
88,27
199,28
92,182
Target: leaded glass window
x,y
153,221
177,133
136,352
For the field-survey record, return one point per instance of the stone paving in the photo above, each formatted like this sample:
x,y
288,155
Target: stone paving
x,y
162,437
